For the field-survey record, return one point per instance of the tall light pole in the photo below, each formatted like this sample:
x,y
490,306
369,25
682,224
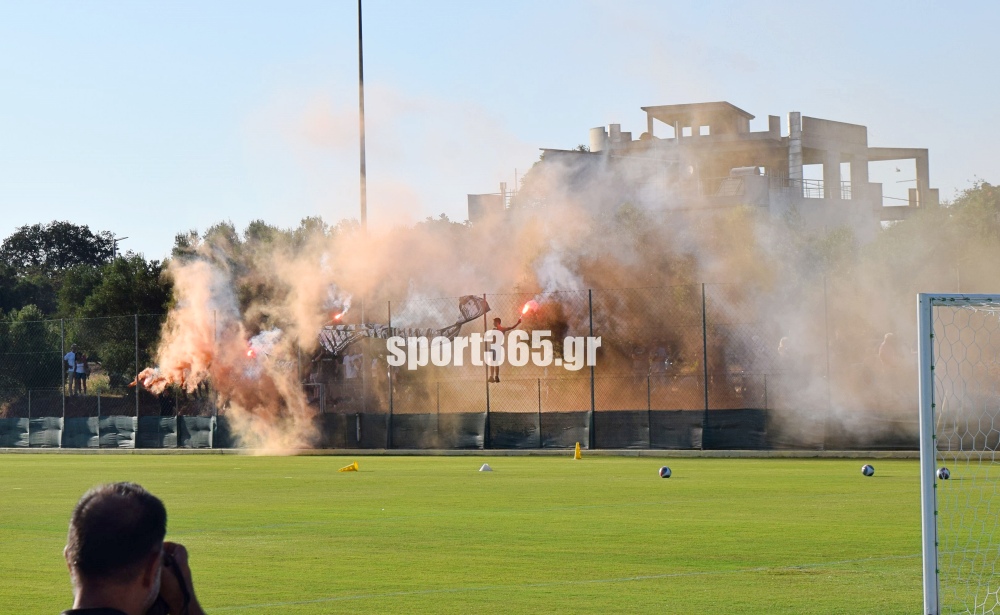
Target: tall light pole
x,y
114,246
364,200
361,119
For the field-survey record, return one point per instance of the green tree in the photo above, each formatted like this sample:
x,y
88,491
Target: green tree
x,y
17,291
35,259
129,285
110,328
77,284
54,247
30,352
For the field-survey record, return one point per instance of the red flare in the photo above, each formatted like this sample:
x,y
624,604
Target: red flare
x,y
251,353
531,305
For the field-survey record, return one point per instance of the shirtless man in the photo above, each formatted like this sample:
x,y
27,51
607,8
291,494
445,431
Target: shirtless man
x,y
494,370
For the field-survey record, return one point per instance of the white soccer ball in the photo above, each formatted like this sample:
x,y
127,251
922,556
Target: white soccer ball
x,y
867,470
664,472
944,474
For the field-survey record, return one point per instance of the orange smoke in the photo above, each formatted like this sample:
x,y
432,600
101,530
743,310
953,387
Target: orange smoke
x,y
204,340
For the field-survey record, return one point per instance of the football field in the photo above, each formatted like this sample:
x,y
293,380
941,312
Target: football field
x,y
536,535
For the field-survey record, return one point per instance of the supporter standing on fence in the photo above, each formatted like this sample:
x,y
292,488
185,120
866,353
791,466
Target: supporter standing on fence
x,y
82,371
494,372
69,364
118,561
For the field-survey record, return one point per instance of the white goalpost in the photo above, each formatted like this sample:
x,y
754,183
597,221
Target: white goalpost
x,y
959,363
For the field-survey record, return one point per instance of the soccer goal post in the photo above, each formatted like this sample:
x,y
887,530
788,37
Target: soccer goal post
x,y
959,366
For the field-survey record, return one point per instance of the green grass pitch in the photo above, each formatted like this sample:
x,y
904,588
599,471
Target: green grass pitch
x,y
537,535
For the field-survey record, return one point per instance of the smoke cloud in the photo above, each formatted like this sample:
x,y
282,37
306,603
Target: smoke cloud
x,y
808,309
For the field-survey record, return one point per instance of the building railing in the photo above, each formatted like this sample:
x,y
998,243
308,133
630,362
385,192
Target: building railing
x,y
812,188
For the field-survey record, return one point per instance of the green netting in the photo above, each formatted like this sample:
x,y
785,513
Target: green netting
x,y
195,431
81,432
118,431
46,432
157,432
13,432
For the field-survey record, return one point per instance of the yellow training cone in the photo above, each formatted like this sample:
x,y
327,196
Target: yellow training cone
x,y
351,468
576,453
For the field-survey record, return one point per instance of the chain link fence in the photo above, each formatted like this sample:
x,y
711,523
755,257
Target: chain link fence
x,y
683,367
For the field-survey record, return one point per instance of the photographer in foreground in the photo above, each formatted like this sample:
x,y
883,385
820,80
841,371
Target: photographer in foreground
x,y
118,561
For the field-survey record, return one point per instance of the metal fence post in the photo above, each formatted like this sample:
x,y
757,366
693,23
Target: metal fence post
x,y
766,414
649,411
486,423
539,413
29,416
366,367
590,422
826,335
388,418
704,360
62,355
62,329
138,385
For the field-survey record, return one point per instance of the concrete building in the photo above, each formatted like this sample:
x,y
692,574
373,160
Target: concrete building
x,y
709,158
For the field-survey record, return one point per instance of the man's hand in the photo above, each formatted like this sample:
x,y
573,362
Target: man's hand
x,y
176,571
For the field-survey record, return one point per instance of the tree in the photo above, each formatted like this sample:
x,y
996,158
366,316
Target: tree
x,y
77,284
309,228
259,232
49,249
128,285
30,351
20,291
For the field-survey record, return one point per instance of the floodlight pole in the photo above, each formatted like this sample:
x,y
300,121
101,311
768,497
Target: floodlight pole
x,y
361,119
366,368
114,246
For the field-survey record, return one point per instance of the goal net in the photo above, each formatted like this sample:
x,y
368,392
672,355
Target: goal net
x,y
959,356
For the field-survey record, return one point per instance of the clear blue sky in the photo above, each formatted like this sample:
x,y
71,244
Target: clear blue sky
x,y
147,119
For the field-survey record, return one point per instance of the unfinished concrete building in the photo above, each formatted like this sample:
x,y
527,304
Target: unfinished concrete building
x,y
709,158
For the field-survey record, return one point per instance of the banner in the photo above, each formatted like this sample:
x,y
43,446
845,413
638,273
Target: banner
x,y
336,338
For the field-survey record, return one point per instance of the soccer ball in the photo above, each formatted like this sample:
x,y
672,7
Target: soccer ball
x,y
944,474
664,472
867,470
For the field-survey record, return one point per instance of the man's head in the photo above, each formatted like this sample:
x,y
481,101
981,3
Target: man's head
x,y
496,321
73,348
116,540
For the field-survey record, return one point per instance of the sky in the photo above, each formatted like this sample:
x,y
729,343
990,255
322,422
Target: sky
x,y
151,119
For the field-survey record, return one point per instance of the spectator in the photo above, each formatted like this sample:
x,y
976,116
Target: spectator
x,y
351,364
82,370
117,559
494,370
69,364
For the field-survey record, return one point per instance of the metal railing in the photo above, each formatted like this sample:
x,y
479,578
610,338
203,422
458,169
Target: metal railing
x,y
813,188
